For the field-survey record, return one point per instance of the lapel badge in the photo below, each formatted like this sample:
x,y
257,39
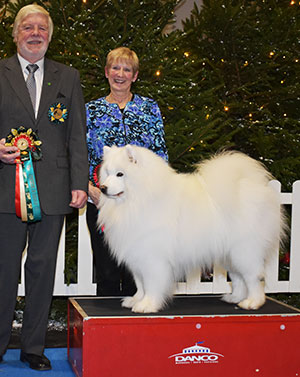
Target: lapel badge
x,y
58,113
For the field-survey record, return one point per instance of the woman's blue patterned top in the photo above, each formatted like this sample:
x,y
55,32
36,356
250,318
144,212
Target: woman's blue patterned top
x,y
140,123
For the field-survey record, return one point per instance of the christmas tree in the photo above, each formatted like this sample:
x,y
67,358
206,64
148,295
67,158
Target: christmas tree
x,y
247,58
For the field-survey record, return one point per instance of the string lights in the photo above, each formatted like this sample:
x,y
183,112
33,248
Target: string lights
x,y
245,63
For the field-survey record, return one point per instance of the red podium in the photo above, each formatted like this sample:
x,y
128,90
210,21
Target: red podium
x,y
194,336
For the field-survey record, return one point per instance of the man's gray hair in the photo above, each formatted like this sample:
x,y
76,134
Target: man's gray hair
x,y
26,11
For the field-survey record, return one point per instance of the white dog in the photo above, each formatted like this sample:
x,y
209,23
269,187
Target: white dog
x,y
163,224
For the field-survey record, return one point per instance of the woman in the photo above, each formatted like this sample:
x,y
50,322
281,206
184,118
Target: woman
x,y
118,119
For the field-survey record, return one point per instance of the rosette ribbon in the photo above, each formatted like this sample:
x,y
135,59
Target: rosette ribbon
x,y
26,195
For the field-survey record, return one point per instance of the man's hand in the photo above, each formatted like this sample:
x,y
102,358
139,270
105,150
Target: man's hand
x,y
79,199
5,153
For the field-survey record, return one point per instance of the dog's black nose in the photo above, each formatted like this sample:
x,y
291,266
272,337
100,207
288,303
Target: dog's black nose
x,y
103,189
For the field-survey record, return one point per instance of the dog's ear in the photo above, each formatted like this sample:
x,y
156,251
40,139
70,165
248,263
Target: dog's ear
x,y
131,154
106,149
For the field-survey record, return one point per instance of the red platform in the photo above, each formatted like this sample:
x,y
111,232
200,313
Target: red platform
x,y
195,336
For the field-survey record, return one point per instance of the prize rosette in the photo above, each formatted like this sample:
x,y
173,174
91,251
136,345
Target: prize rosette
x,y
26,195
95,175
58,113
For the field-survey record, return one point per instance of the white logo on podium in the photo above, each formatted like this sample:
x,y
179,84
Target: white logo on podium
x,y
196,355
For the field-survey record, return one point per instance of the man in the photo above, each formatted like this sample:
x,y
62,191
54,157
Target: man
x,y
55,113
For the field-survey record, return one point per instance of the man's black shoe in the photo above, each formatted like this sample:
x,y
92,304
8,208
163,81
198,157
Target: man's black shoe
x,y
35,361
1,358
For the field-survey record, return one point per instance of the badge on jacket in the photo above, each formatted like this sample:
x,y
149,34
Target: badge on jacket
x,y
58,113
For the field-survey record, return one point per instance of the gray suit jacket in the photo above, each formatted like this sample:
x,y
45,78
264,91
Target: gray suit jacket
x,y
64,166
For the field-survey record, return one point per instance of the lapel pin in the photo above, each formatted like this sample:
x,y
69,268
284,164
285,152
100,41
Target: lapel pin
x,y
58,113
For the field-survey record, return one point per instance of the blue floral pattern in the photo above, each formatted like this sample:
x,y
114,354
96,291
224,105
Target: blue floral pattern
x,y
140,123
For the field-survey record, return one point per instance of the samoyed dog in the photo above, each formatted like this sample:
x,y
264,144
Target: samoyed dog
x,y
162,224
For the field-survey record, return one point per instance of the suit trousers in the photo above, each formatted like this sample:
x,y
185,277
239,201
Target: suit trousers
x,y
42,240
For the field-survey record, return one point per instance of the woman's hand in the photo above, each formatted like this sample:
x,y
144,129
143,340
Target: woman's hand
x,y
94,193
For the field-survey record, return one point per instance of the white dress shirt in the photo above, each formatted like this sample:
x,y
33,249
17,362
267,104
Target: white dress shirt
x,y
39,75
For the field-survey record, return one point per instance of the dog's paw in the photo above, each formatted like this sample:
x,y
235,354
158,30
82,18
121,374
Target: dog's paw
x,y
231,299
128,302
251,303
146,305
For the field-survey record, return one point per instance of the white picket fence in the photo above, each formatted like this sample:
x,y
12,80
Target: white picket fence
x,y
193,284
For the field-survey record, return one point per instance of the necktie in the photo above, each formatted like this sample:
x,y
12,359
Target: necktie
x,y
30,82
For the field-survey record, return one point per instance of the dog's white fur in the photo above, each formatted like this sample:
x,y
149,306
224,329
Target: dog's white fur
x,y
163,224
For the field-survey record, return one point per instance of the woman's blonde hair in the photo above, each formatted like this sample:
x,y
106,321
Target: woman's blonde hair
x,y
26,11
123,53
